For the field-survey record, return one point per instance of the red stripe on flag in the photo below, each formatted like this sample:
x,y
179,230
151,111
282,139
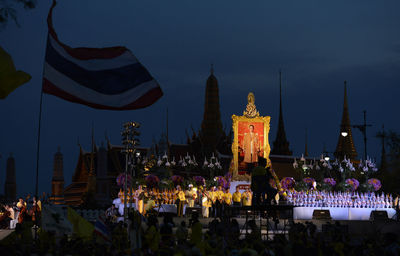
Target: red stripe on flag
x,y
144,101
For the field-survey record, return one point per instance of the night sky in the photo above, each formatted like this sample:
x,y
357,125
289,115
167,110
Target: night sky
x,y
317,45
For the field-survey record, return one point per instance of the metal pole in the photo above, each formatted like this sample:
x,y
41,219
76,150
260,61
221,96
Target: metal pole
x,y
365,134
38,145
125,183
132,176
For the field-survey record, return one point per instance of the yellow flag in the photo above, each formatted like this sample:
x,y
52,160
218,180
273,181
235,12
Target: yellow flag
x,y
81,227
10,78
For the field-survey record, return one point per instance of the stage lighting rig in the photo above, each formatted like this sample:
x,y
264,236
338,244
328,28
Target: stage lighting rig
x,y
130,141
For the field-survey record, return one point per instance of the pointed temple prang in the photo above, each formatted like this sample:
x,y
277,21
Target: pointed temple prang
x,y
281,145
211,126
345,146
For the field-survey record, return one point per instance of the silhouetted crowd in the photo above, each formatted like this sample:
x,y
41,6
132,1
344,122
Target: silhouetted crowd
x,y
220,237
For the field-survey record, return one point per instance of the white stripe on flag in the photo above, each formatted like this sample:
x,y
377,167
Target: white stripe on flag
x,y
118,100
127,58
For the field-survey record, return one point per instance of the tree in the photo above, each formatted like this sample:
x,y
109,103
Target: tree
x,y
8,10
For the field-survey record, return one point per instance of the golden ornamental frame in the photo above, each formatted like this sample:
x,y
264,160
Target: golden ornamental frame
x,y
248,117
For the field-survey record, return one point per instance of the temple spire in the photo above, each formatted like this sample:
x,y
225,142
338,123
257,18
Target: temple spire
x,y
10,186
91,186
305,145
211,126
382,135
281,145
345,146
57,182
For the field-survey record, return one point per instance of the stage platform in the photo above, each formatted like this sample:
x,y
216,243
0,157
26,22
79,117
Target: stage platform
x,y
4,233
338,213
296,212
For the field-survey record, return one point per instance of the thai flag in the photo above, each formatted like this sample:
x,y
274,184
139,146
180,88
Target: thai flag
x,y
101,229
103,78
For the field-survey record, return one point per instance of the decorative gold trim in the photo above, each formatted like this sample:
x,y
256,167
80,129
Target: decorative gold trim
x,y
251,110
235,124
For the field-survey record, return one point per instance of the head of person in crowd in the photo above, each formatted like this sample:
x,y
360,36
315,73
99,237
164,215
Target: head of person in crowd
x,y
262,161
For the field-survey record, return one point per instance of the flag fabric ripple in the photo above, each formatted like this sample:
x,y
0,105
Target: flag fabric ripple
x,y
103,78
101,229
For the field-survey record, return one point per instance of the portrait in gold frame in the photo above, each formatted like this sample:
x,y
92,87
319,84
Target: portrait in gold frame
x,y
261,124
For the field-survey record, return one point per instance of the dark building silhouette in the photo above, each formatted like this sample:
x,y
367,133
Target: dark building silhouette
x,y
10,186
96,173
306,146
211,132
281,144
345,146
57,182
102,182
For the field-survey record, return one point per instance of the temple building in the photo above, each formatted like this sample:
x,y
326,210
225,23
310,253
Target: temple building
x,y
10,186
345,146
211,138
211,132
281,144
57,182
281,156
94,178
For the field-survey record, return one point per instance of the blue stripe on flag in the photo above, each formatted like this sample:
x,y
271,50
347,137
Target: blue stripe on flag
x,y
120,79
101,229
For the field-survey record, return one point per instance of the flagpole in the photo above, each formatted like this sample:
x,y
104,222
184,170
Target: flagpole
x,y
40,121
38,144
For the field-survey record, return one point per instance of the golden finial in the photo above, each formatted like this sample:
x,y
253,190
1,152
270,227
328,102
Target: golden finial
x,y
251,110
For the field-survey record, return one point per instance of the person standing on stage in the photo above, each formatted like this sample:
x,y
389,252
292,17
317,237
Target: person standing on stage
x,y
237,197
227,202
12,216
180,202
111,214
21,208
220,201
139,199
21,203
36,210
247,197
37,202
213,197
205,203
191,196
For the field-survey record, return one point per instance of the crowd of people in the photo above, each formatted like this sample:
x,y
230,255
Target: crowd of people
x,y
215,202
16,213
342,199
220,237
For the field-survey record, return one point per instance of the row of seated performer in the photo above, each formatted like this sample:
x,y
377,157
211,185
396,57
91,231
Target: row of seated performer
x,y
215,202
18,212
